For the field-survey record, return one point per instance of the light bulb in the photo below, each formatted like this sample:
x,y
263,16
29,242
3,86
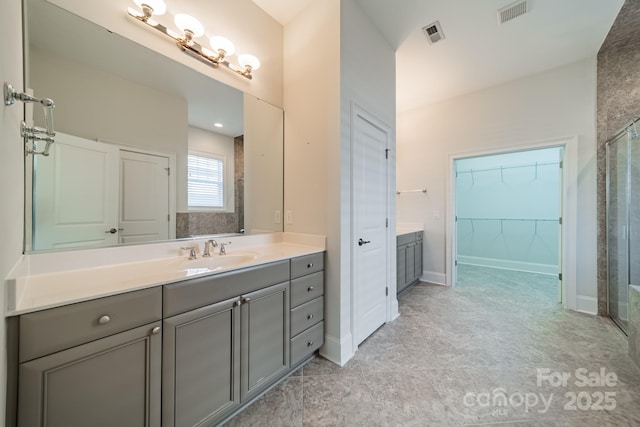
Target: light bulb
x,y
158,6
188,23
249,61
222,43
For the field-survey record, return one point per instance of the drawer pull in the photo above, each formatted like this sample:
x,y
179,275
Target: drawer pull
x,y
309,316
310,265
104,320
309,344
156,330
310,288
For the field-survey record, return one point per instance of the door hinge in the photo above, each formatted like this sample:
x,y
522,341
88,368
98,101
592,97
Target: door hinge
x,y
168,171
561,164
560,276
560,220
386,152
168,217
386,222
455,263
386,291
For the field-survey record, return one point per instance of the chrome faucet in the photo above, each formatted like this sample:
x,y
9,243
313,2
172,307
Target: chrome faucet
x,y
223,250
192,251
207,247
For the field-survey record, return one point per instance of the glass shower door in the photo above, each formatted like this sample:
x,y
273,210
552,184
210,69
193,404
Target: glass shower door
x,y
618,228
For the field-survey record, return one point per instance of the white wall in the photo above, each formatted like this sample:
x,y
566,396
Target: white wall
x,y
11,167
204,141
550,105
263,166
334,56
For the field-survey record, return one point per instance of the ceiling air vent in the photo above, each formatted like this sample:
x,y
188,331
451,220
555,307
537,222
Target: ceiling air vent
x,y
433,32
512,11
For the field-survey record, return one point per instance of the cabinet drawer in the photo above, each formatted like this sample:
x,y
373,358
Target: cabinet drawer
x,y
405,239
307,288
49,331
306,343
306,315
307,264
195,293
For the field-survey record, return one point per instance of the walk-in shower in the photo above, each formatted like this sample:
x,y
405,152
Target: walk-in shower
x,y
623,220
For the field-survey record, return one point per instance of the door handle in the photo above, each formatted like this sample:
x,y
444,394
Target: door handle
x,y
363,242
113,230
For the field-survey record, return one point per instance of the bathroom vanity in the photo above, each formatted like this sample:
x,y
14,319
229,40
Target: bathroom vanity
x,y
409,258
182,353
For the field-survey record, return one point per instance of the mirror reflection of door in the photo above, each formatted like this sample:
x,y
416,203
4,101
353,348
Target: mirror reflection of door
x,y
89,193
144,197
74,196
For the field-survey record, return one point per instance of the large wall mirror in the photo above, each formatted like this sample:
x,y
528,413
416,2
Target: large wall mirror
x,y
140,155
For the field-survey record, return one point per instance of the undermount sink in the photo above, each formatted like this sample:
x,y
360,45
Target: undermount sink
x,y
218,261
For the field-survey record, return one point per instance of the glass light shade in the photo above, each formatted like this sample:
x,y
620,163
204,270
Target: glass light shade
x,y
187,22
219,42
249,60
158,6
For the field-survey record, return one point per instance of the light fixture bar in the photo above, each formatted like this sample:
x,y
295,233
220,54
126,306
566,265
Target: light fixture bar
x,y
189,46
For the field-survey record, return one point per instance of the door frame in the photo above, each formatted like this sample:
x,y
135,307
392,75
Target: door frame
x,y
358,110
569,210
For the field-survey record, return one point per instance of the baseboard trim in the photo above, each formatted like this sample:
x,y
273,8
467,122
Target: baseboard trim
x,y
588,305
531,267
434,277
338,351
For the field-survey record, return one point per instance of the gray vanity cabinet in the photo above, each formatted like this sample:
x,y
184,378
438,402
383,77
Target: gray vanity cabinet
x,y
409,259
110,381
201,367
265,338
217,357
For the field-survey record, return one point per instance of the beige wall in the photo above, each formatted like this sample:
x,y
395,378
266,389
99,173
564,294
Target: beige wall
x,y
551,105
11,168
334,57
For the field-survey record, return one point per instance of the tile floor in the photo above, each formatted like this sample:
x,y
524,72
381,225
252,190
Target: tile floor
x,y
468,356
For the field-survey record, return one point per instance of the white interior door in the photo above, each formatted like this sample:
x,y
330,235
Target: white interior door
x,y
75,194
144,197
370,245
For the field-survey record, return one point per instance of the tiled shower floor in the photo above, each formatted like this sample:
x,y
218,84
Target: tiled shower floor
x,y
468,355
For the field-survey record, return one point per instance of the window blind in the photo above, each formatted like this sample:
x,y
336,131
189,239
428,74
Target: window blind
x,y
205,182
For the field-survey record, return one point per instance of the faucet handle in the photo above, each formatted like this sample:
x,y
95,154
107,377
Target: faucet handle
x,y
223,250
192,251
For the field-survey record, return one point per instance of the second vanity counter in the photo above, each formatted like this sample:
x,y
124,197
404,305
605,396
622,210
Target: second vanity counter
x,y
33,291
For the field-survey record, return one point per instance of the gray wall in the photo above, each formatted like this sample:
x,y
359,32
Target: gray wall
x,y
618,102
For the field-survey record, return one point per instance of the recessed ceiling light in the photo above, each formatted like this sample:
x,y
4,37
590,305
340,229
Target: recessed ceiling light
x,y
218,125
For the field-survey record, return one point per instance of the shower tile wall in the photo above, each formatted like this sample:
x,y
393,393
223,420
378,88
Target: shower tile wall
x,y
618,94
202,223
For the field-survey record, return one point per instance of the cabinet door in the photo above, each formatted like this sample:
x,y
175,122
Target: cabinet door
x,y
201,365
418,261
411,263
265,338
113,381
401,268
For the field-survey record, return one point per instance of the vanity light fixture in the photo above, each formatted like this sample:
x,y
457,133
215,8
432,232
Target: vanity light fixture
x,y
190,28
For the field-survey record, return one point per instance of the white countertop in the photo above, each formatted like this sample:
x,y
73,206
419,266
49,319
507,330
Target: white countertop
x,y
406,228
37,284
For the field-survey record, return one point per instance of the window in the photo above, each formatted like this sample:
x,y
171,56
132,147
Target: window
x,y
205,181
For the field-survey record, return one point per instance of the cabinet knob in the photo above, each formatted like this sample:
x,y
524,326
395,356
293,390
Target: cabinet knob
x,y
246,300
309,316
237,303
310,265
310,288
310,343
156,330
104,320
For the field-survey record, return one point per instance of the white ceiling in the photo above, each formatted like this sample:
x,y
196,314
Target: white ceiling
x,y
477,52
